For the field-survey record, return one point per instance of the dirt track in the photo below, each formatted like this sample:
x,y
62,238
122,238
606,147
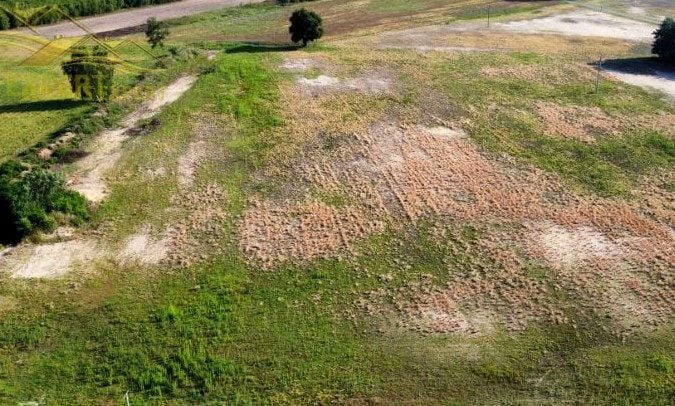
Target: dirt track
x,y
137,16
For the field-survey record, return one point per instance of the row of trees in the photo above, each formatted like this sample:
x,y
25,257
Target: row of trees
x,y
31,11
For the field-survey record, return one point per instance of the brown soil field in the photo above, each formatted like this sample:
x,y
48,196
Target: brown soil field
x,y
382,172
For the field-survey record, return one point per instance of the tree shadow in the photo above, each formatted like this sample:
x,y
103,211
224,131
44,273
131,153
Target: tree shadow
x,y
44,105
650,66
259,47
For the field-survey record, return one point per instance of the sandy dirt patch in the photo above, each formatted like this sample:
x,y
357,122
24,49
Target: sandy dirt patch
x,y
50,260
655,80
145,248
298,64
190,162
88,178
563,246
370,83
583,23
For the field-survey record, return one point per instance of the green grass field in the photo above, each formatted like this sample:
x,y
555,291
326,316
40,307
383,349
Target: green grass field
x,y
226,330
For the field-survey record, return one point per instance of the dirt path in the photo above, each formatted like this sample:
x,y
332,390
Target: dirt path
x,y
88,177
57,258
137,16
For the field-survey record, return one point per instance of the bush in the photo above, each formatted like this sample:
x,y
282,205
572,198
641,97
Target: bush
x,y
156,32
28,198
664,40
305,26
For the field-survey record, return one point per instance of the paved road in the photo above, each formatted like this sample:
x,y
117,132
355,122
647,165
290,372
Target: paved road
x,y
136,16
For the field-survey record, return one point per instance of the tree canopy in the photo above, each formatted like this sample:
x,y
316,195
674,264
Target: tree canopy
x,y
664,40
306,26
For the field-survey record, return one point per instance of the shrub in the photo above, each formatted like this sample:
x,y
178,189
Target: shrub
x,y
90,73
305,26
664,40
156,32
28,197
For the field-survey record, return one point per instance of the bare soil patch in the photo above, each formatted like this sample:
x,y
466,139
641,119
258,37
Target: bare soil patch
x,y
145,248
50,260
190,162
398,174
198,235
583,23
562,246
575,122
298,64
370,83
